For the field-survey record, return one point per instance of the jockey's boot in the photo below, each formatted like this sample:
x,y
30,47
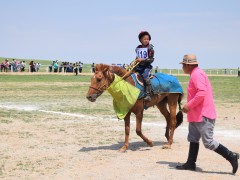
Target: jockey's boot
x,y
232,157
148,90
192,158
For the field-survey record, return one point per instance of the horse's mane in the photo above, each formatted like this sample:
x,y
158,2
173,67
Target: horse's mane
x,y
114,69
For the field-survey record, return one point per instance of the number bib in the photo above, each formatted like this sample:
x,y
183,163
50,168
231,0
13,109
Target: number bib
x,y
142,53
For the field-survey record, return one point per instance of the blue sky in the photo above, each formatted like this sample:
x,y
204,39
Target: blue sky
x,y
106,31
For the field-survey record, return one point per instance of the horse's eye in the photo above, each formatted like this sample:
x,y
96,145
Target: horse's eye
x,y
98,80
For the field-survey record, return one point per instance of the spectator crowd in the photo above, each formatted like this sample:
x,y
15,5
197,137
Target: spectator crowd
x,y
14,66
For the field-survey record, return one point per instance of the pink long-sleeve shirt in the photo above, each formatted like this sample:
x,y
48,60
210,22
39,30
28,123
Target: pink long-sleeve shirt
x,y
200,97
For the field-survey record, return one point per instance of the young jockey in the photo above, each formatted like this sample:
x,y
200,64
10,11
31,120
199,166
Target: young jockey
x,y
145,56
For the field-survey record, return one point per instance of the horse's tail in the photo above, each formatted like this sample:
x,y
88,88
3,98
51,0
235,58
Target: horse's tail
x,y
179,115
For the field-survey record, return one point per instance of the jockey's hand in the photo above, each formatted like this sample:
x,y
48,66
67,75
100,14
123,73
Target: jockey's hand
x,y
185,109
139,60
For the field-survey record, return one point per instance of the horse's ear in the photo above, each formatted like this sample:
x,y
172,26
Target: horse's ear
x,y
98,67
105,69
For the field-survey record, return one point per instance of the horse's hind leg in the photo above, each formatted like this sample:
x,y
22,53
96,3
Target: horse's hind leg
x,y
127,131
172,103
162,106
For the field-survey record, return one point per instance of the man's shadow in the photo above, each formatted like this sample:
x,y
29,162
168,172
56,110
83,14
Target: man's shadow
x,y
172,165
133,146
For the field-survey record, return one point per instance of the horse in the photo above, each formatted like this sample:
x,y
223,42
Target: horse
x,y
102,79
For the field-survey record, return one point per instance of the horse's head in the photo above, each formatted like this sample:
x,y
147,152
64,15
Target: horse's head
x,y
99,82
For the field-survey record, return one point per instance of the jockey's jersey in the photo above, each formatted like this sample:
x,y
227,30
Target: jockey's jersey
x,y
146,53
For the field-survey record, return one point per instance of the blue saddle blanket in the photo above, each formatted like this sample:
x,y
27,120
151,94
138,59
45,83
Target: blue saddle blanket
x,y
161,83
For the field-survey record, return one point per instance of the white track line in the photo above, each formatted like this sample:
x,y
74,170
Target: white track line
x,y
220,132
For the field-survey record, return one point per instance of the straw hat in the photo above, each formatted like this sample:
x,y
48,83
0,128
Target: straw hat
x,y
189,59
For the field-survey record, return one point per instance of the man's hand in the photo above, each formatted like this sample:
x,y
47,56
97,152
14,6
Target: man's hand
x,y
185,109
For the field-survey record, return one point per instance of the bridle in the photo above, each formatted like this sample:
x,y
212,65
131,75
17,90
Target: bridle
x,y
101,89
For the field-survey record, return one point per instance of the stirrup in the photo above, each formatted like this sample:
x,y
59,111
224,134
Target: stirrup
x,y
148,98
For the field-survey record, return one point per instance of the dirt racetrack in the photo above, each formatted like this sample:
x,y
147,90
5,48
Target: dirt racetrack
x,y
57,145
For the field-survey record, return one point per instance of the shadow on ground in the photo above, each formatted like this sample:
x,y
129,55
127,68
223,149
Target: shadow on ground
x,y
134,146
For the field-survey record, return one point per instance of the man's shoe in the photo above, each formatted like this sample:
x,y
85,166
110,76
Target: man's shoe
x,y
232,157
187,166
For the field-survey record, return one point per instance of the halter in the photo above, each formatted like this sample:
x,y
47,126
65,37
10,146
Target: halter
x,y
100,89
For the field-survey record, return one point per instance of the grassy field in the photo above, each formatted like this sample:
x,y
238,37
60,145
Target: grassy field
x,y
68,93
225,88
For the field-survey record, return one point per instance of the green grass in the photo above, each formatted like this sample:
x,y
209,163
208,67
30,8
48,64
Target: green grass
x,y
225,88
68,94
44,78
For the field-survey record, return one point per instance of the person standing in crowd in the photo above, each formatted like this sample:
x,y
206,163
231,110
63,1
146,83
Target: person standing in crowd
x,y
201,115
1,66
32,66
13,66
38,65
93,68
23,64
5,65
55,66
75,68
80,67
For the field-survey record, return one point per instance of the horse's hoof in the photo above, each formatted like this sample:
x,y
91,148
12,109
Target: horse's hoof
x,y
150,144
166,146
122,149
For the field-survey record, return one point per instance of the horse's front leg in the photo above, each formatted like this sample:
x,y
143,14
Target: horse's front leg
x,y
127,132
139,117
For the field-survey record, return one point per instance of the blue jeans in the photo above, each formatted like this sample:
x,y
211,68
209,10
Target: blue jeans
x,y
146,73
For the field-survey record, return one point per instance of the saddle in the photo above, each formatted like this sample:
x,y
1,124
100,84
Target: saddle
x,y
160,83
139,83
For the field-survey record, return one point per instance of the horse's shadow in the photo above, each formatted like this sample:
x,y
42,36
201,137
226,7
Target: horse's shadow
x,y
133,146
172,165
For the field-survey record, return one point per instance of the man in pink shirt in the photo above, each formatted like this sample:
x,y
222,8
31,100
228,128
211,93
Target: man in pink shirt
x,y
201,115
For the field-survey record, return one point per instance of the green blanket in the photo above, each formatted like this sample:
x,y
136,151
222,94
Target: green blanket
x,y
124,96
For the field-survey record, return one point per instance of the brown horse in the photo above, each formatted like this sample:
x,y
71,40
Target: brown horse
x,y
102,79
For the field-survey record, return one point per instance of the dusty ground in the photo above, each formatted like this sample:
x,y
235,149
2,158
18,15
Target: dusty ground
x,y
41,144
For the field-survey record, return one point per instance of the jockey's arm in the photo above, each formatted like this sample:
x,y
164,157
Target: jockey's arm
x,y
146,61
